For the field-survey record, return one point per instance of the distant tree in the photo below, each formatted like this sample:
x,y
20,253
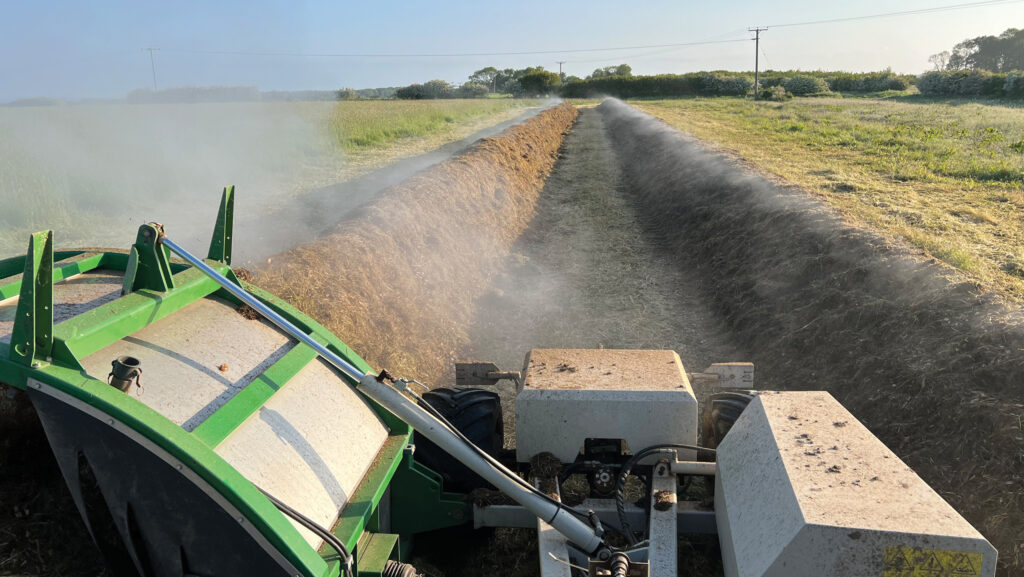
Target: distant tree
x,y
486,76
411,92
438,89
347,94
939,60
609,71
538,82
472,90
427,90
1001,53
569,79
504,81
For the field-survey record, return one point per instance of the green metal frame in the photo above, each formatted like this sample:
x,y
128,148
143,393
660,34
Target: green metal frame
x,y
155,288
32,335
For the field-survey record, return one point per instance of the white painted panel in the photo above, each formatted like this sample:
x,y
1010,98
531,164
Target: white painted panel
x,y
310,445
196,360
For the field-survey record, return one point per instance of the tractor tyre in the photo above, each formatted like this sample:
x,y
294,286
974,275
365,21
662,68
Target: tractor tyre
x,y
476,413
720,413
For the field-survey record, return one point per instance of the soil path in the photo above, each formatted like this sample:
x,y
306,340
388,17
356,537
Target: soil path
x,y
585,276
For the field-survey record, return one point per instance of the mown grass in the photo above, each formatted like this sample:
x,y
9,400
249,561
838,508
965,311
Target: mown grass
x,y
359,125
945,177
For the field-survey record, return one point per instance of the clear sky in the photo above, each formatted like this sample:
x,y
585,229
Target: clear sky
x,y
95,49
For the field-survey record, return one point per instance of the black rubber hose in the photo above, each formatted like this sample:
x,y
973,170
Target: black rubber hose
x,y
328,537
620,485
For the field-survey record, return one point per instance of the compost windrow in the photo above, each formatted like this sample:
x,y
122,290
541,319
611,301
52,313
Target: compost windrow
x,y
931,365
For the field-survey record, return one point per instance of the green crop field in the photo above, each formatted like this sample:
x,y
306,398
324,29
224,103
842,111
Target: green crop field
x,y
947,178
92,173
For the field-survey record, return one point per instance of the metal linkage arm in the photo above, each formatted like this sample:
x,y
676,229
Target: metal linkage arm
x,y
283,323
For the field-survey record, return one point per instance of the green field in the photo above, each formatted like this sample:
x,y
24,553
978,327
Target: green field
x,y
947,178
93,173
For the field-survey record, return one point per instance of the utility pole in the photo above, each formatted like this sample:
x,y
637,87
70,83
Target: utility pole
x,y
757,53
560,63
152,64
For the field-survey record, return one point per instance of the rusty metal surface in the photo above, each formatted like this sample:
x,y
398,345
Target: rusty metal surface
x,y
71,297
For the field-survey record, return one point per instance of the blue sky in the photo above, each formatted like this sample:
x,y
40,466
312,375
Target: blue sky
x,y
94,49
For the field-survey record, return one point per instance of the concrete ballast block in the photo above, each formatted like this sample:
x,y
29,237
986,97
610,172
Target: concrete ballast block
x,y
805,490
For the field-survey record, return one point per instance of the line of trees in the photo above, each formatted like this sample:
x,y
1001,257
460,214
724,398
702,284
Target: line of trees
x,y
722,83
1003,53
981,66
526,82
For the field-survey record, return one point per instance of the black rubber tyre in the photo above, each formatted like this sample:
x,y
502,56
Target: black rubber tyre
x,y
719,415
476,413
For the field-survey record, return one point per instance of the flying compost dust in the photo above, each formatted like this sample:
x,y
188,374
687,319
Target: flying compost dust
x,y
116,166
931,366
398,278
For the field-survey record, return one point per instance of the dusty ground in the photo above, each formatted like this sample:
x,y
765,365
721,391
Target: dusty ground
x,y
584,275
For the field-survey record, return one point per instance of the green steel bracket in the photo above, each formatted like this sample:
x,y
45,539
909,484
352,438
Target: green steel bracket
x,y
373,552
220,244
417,502
149,264
32,335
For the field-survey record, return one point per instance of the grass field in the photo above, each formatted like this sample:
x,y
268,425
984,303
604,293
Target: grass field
x,y
93,172
945,177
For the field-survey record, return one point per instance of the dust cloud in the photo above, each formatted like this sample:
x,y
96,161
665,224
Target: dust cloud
x,y
94,173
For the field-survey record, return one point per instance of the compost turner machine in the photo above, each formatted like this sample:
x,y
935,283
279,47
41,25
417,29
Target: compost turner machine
x,y
206,428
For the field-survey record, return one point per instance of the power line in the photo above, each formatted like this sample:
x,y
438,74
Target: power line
x,y
900,13
446,55
371,55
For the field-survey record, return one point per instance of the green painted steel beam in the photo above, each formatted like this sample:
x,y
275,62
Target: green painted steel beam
x,y
32,334
229,417
75,265
220,244
365,499
16,264
419,502
373,553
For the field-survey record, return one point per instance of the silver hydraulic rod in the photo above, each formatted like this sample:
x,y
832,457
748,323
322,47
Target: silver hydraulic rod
x,y
575,530
268,313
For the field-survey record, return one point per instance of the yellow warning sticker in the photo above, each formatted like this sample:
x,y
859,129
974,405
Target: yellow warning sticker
x,y
913,562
